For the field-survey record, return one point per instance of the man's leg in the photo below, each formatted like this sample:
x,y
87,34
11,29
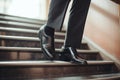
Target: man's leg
x,y
57,13
75,29
76,23
55,20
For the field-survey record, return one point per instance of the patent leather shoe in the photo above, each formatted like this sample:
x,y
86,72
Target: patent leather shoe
x,y
70,54
47,43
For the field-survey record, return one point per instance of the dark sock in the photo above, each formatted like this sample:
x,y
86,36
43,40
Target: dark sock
x,y
66,45
49,31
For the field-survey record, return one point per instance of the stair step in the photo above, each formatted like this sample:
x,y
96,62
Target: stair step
x,y
115,76
22,41
41,69
23,38
25,53
39,49
19,25
22,30
6,17
49,63
26,32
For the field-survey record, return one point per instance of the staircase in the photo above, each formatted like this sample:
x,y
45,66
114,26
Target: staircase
x,y
21,56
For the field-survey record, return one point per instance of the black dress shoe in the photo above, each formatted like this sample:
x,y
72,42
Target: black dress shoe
x,y
70,54
47,43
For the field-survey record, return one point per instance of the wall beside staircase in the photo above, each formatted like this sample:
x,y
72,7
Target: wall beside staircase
x,y
103,26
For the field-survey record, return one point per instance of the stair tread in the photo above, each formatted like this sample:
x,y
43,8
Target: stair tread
x,y
30,38
21,19
25,38
26,30
20,24
49,63
18,30
39,49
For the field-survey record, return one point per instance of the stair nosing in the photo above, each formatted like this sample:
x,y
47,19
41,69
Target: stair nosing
x,y
50,63
26,30
18,30
20,24
39,49
21,19
24,38
13,19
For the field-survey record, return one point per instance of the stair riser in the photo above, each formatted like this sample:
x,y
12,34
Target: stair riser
x,y
17,43
54,71
35,55
20,34
26,43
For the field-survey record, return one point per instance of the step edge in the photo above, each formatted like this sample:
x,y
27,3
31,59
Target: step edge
x,y
20,24
27,30
23,18
39,49
25,38
50,63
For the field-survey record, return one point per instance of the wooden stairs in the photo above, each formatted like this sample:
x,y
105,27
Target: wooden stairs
x,y
21,57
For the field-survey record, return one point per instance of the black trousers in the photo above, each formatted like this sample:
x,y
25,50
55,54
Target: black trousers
x,y
76,23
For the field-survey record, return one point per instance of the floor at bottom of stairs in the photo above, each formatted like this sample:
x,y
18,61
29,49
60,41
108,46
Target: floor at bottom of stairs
x,y
115,76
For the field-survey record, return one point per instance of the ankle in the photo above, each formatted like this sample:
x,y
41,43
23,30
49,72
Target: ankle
x,y
49,31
